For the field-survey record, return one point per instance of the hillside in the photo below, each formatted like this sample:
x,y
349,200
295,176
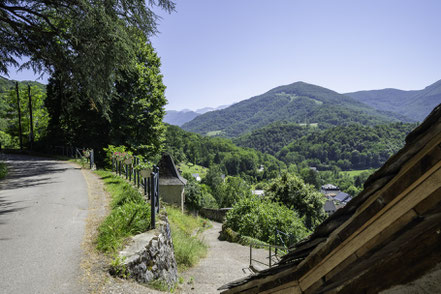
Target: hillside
x,y
208,152
413,104
348,147
298,102
6,84
178,118
272,138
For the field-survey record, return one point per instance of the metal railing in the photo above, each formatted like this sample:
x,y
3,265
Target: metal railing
x,y
148,184
76,152
273,257
274,251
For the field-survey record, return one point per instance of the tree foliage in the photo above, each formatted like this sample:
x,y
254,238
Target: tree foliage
x,y
348,147
9,124
229,158
136,110
259,218
304,199
82,41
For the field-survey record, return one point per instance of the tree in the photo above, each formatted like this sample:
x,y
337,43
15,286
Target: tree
x,y
82,41
9,119
304,199
135,112
213,178
138,110
193,193
231,191
310,176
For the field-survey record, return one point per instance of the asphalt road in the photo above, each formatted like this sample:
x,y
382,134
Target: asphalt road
x,y
43,208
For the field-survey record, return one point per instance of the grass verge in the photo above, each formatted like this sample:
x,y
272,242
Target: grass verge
x,y
130,214
185,229
3,170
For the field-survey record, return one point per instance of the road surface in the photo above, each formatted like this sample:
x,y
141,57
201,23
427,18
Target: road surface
x,y
43,208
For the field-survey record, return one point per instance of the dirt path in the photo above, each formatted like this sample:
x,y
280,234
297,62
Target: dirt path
x,y
223,264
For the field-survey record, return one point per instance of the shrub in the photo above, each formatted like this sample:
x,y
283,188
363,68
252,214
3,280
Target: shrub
x,y
259,218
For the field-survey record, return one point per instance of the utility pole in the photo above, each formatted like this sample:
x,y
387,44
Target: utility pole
x,y
19,116
31,134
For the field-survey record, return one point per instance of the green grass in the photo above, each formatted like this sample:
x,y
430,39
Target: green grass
x,y
214,133
130,214
312,125
193,169
185,228
3,170
355,173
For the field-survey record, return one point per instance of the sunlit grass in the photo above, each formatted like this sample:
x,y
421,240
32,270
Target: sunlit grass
x,y
130,215
185,228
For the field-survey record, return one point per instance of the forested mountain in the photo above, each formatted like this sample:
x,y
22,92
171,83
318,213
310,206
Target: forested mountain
x,y
6,85
348,147
413,104
272,138
208,152
298,102
178,118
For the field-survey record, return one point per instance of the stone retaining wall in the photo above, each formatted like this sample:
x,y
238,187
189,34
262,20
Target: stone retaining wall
x,y
150,255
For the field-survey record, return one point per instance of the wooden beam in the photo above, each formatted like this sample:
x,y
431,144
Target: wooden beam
x,y
408,201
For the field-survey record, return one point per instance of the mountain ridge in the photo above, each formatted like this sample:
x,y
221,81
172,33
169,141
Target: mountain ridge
x,y
415,104
298,102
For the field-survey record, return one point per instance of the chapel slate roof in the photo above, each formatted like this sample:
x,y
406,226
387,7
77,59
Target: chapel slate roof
x,y
412,243
168,173
343,197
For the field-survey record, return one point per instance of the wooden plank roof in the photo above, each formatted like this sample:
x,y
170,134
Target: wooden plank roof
x,y
168,173
392,223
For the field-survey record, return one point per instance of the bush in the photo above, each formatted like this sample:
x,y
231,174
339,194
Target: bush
x,y
304,199
208,201
258,218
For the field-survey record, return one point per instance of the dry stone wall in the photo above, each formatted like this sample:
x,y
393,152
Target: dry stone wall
x,y
150,255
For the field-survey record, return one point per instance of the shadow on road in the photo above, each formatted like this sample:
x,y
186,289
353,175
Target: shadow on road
x,y
22,169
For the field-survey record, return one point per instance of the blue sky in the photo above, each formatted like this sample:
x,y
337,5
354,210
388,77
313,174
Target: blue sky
x,y
220,52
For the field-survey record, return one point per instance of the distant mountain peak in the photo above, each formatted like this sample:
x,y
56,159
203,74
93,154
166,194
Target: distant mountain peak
x,y
298,102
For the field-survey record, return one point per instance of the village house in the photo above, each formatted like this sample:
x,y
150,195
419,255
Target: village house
x,y
329,190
